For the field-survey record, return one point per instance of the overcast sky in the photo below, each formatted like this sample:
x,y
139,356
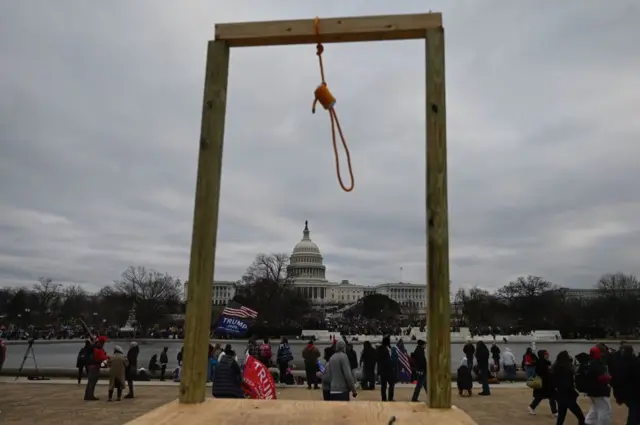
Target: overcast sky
x,y
100,106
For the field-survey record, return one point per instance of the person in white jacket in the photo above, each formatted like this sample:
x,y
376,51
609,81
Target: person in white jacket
x,y
509,365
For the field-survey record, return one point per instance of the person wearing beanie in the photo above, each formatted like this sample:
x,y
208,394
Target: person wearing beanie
x,y
598,389
387,370
132,368
338,376
118,364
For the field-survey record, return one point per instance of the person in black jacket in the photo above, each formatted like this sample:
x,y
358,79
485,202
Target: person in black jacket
x,y
482,359
81,361
353,358
598,389
495,356
625,381
469,350
132,369
547,391
228,382
368,365
387,370
564,387
420,369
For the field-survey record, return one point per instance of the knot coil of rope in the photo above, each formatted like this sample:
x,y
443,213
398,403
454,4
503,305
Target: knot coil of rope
x,y
324,97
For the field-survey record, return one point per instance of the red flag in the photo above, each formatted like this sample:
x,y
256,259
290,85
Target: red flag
x,y
257,381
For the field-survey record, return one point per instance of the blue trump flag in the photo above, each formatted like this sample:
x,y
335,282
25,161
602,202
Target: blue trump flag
x,y
232,326
234,319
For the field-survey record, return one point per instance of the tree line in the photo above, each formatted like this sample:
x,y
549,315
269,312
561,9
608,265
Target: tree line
x,y
532,302
151,293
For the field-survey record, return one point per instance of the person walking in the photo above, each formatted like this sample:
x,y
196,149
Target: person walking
x,y
598,389
547,389
420,368
565,389
117,364
339,376
311,354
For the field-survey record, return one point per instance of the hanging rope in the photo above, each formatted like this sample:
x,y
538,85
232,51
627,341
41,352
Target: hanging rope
x,y
324,97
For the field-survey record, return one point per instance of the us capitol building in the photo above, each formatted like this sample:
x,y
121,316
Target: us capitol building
x,y
306,268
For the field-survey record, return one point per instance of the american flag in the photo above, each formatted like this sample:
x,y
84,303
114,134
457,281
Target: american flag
x,y
233,309
405,364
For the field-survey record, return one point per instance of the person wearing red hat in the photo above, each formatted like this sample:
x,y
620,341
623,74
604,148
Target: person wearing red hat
x,y
598,389
94,362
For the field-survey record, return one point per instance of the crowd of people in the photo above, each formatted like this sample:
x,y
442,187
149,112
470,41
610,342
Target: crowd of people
x,y
599,374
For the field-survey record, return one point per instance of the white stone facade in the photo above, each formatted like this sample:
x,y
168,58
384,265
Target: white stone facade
x,y
306,267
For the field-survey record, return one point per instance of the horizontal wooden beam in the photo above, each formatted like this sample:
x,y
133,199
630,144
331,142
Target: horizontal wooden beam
x,y
332,30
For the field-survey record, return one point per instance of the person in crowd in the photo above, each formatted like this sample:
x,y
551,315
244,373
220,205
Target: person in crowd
x,y
547,389
253,349
283,357
164,361
625,381
598,389
464,380
153,364
509,365
565,390
132,369
328,351
212,360
338,374
228,382
326,382
368,365
311,354
529,363
81,361
94,362
420,369
387,370
495,356
353,358
180,355
469,351
3,354
118,365
482,361
265,353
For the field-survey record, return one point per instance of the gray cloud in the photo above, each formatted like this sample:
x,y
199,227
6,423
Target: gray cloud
x,y
100,114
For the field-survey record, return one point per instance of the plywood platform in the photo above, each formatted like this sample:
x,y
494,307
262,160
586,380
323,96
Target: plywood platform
x,y
290,412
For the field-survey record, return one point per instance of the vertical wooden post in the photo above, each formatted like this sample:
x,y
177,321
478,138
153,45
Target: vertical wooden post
x,y
205,225
438,307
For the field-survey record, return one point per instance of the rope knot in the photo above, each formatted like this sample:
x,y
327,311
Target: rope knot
x,y
324,97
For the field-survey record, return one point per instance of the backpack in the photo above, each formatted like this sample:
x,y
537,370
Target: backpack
x,y
582,378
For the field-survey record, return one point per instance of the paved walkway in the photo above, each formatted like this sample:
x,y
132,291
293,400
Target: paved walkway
x,y
9,380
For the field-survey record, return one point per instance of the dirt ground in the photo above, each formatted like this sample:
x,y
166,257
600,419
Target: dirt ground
x,y
29,403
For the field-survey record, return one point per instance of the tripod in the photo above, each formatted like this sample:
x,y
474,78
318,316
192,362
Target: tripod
x,y
30,353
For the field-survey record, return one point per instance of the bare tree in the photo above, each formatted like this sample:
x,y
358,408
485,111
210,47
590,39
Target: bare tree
x,y
525,287
47,292
619,285
270,268
153,293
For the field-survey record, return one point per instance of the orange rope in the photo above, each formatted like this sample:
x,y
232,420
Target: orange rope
x,y
326,99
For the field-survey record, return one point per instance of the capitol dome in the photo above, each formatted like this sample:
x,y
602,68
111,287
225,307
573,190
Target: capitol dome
x,y
306,263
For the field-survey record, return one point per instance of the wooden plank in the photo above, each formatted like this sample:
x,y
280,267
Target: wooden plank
x,y
438,304
332,30
205,225
292,412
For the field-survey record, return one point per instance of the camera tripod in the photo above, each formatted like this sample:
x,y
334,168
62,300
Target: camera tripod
x,y
30,353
